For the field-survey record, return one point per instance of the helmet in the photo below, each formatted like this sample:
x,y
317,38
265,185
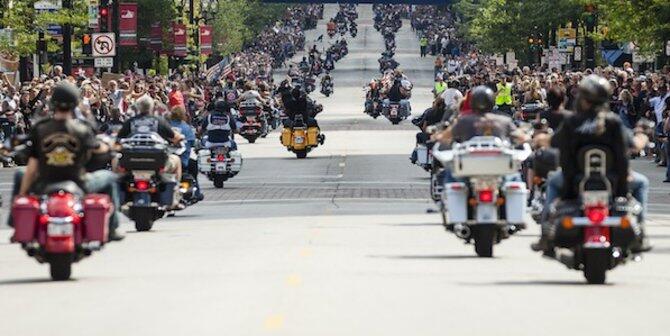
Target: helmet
x,y
595,90
482,99
221,106
65,96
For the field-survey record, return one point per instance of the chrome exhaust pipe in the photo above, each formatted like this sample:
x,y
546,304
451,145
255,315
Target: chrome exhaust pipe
x,y
511,229
462,231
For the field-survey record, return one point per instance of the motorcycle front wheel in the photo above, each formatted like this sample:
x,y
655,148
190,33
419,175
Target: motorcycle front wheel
x,y
301,154
143,224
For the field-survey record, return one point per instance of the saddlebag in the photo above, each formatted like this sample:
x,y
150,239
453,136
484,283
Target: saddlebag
x,y
516,195
313,136
286,137
97,211
457,202
235,162
24,216
205,160
422,157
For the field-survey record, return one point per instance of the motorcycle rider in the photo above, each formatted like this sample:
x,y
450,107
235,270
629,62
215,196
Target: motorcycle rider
x,y
482,122
219,126
326,81
59,149
146,122
594,124
251,95
399,92
296,103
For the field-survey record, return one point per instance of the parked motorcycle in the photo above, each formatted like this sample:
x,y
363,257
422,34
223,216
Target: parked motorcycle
x,y
61,225
596,233
219,164
484,206
327,88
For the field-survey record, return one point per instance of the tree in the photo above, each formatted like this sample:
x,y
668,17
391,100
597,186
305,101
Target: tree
x,y
230,31
643,22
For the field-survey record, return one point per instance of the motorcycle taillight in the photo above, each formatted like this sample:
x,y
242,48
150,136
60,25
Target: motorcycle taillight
x,y
220,158
596,214
142,185
486,196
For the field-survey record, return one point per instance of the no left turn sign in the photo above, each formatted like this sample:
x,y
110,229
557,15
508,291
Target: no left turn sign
x,y
104,45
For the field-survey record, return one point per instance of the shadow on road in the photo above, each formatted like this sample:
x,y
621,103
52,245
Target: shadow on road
x,y
426,257
413,224
29,281
530,283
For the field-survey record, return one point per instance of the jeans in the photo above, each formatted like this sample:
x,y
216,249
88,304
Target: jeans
x,y
100,181
638,184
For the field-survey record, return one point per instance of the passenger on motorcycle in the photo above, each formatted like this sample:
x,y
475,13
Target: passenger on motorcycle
x,y
250,95
60,148
594,124
145,122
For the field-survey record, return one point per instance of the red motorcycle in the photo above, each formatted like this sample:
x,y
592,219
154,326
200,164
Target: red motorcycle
x,y
61,226
254,122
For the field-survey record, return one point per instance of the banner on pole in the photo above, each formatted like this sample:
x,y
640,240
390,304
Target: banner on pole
x,y
156,38
179,40
128,24
205,40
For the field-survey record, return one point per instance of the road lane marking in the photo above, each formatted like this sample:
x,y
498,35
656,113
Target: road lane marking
x,y
294,280
342,164
274,322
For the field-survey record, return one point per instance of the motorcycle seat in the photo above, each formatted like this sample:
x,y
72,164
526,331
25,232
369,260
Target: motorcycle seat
x,y
66,186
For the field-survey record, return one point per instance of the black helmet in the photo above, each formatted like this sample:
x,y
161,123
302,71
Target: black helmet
x,y
65,96
221,106
595,90
482,99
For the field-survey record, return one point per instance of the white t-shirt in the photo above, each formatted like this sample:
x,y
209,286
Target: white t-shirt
x,y
658,103
451,97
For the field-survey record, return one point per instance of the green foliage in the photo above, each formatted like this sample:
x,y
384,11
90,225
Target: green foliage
x,y
644,22
500,25
229,29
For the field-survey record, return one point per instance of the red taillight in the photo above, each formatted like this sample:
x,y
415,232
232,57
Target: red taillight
x,y
486,196
596,214
221,157
142,185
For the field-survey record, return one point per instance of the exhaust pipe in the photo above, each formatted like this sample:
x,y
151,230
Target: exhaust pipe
x,y
511,229
462,231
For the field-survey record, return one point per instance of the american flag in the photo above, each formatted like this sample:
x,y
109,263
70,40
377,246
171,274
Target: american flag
x,y
220,70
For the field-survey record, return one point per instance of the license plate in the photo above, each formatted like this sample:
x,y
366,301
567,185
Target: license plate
x,y
299,140
394,112
220,167
59,230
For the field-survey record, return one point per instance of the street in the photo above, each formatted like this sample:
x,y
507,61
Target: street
x,y
345,242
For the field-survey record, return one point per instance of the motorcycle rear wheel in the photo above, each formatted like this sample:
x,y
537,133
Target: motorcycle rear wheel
x,y
60,266
596,264
484,236
301,154
143,224
218,182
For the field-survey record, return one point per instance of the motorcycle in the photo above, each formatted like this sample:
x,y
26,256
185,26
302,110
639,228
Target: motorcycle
x,y
254,122
143,157
310,84
484,207
219,164
327,88
61,225
353,31
301,139
394,112
596,233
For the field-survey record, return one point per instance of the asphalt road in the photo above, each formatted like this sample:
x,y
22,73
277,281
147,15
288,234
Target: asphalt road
x,y
340,243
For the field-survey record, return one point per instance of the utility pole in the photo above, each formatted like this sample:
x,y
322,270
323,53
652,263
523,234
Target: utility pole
x,y
115,29
67,42
589,43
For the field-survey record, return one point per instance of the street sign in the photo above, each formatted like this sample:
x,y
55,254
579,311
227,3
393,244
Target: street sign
x,y
93,13
103,62
104,45
48,5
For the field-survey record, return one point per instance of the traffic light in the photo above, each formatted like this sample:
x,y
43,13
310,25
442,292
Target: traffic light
x,y
104,15
86,46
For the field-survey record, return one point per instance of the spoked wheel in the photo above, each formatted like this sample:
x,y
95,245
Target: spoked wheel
x,y
218,181
596,264
301,154
60,266
484,236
